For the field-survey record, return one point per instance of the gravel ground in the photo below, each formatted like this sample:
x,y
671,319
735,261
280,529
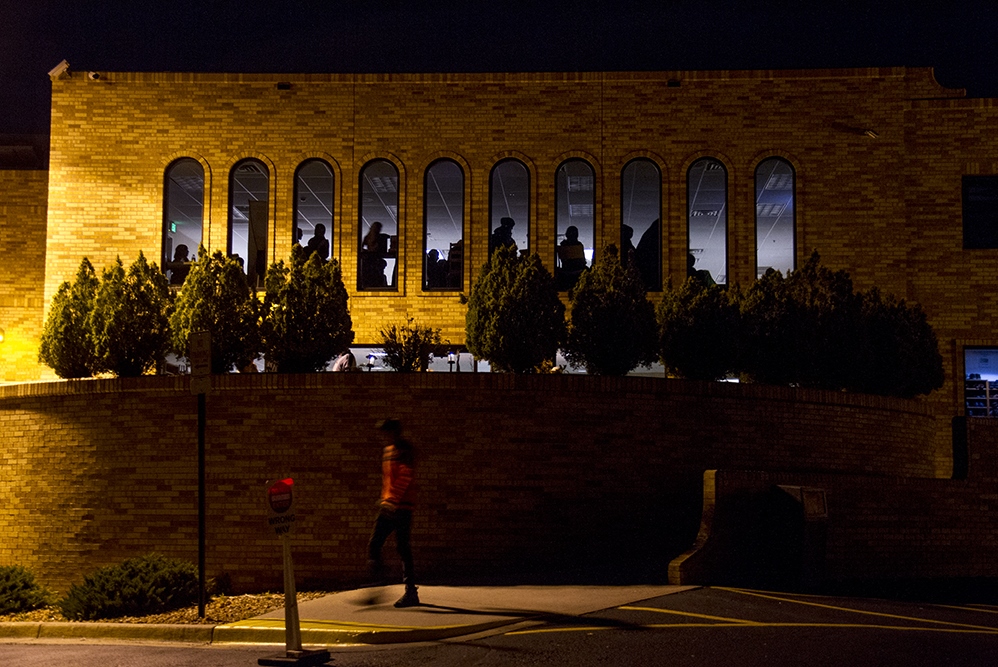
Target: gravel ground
x,y
220,609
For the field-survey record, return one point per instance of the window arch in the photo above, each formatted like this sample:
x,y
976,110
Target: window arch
x,y
707,200
378,244
641,219
183,217
249,198
775,216
313,219
443,226
575,227
509,202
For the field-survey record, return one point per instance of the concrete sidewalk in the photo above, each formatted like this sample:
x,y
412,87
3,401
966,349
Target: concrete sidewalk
x,y
347,618
445,612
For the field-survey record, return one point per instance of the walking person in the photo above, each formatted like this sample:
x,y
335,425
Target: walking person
x,y
398,493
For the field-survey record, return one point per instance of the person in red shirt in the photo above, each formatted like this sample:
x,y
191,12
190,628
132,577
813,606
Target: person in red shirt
x,y
398,494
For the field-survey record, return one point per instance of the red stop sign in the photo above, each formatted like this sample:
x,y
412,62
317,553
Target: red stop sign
x,y
280,496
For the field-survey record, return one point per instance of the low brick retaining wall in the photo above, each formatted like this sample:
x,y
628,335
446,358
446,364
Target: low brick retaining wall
x,y
517,474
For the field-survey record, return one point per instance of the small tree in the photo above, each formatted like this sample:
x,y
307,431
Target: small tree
x,y
699,330
613,326
216,298
515,319
130,318
306,319
66,344
408,345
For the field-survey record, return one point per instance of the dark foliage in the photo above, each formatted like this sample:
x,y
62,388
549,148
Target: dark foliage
x,y
699,331
515,320
136,587
66,344
306,318
408,345
130,318
613,327
216,298
19,591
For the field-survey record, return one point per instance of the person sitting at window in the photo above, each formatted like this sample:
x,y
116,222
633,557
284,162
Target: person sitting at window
x,y
503,235
572,257
180,266
318,243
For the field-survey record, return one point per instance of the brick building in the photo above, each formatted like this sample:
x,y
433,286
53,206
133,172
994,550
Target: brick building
x,y
884,172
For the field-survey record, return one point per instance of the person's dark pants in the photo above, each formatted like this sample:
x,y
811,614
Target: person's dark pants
x,y
399,522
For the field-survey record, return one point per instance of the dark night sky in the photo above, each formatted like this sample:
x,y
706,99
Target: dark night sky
x,y
959,39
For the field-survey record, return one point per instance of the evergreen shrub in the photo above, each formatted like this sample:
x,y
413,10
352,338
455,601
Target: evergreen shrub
x,y
19,591
149,584
408,345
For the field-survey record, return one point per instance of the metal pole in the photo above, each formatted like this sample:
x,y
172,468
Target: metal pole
x,y
202,595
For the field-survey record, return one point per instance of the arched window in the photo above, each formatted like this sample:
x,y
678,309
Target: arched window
x,y
707,197
313,226
575,204
379,208
443,227
249,194
641,219
775,225
509,205
183,217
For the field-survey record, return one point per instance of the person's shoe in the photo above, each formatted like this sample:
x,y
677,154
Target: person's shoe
x,y
410,599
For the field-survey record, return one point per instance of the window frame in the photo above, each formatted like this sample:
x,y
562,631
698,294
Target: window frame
x,y
793,212
453,271
329,224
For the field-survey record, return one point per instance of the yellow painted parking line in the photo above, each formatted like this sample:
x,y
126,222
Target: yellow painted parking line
x,y
708,617
832,626
265,623
574,628
968,607
915,619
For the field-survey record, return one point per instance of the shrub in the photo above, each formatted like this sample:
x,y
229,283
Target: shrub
x,y
804,329
900,355
612,323
515,319
216,298
66,344
136,587
130,318
306,320
699,330
408,345
19,591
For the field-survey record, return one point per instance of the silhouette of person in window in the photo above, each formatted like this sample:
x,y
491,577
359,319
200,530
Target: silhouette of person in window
x,y
180,266
502,235
626,243
372,263
572,255
318,243
436,269
702,276
647,254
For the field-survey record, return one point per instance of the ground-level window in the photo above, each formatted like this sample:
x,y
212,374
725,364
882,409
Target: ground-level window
x,y
509,205
980,212
313,226
640,219
981,381
774,216
379,208
249,194
443,227
183,216
575,204
707,198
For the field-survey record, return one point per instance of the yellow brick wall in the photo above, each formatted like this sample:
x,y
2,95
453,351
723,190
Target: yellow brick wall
x,y
886,209
22,271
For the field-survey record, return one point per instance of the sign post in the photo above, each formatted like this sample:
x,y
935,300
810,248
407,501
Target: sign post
x,y
280,503
200,358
